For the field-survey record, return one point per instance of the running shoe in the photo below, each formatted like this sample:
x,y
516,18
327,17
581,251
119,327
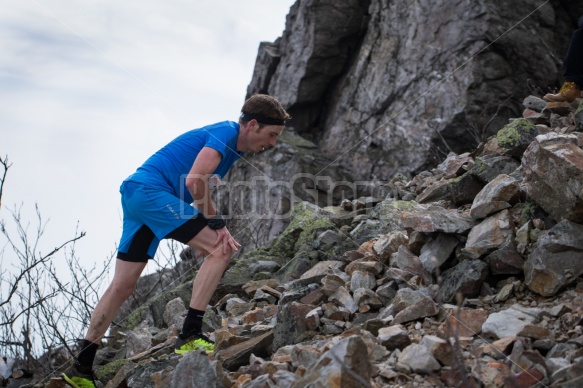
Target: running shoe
x,y
77,377
197,341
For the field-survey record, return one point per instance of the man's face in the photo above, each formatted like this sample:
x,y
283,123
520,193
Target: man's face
x,y
261,139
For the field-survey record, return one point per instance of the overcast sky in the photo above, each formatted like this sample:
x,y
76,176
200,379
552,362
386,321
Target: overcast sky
x,y
89,89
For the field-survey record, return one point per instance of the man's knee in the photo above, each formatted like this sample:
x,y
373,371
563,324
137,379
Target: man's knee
x,y
219,255
122,289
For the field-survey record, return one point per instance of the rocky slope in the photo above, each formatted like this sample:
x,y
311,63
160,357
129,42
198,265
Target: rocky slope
x,y
468,274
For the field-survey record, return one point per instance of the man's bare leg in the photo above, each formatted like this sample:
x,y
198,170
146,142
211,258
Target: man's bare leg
x,y
203,288
212,269
124,281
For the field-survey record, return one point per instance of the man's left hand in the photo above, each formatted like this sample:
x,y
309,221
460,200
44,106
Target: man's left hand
x,y
225,239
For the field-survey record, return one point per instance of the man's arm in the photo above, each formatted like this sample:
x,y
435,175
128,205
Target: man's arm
x,y
197,180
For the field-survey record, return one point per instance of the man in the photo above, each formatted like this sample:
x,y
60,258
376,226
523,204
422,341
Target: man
x,y
156,203
572,70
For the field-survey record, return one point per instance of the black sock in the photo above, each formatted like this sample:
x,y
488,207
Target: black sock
x,y
87,355
192,323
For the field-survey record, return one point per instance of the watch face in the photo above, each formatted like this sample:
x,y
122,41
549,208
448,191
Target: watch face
x,y
214,181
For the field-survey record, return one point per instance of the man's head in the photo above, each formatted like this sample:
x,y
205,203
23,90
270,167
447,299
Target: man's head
x,y
262,121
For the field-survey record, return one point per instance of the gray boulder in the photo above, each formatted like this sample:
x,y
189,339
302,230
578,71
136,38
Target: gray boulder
x,y
195,370
557,261
489,235
346,364
505,260
508,322
419,359
553,175
466,278
431,218
515,137
488,167
290,327
437,251
498,194
410,305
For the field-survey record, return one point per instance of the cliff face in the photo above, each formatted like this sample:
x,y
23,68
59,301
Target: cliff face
x,y
382,86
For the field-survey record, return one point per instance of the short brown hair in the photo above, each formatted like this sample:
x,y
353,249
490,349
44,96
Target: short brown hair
x,y
263,105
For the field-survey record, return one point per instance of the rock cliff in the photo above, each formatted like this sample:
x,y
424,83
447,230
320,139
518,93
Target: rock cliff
x,y
378,84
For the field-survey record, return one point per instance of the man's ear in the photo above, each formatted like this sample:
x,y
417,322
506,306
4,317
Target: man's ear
x,y
250,125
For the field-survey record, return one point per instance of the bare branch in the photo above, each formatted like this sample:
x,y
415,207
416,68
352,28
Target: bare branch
x,y
27,309
35,262
5,167
40,311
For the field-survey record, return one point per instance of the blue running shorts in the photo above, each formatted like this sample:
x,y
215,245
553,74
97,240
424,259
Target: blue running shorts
x,y
150,215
